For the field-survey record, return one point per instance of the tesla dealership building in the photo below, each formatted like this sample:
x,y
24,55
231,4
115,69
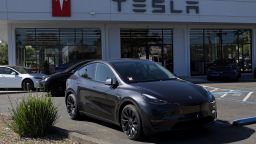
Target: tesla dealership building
x,y
185,36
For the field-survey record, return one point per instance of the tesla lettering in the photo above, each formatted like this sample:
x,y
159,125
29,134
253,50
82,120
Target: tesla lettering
x,y
159,6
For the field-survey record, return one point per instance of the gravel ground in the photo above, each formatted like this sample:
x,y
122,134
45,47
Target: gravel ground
x,y
7,136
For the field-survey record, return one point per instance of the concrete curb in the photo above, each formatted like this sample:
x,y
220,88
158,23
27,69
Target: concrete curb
x,y
80,138
11,92
19,92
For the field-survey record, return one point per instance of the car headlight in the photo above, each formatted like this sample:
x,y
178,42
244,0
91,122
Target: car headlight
x,y
153,100
46,78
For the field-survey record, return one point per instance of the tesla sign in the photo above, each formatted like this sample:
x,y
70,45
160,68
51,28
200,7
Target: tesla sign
x,y
61,8
160,6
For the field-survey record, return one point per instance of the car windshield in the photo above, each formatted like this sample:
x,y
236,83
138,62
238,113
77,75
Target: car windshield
x,y
141,71
21,70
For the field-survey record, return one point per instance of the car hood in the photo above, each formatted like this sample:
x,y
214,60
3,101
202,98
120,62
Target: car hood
x,y
39,75
174,91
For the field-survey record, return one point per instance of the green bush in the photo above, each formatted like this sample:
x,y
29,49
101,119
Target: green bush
x,y
34,116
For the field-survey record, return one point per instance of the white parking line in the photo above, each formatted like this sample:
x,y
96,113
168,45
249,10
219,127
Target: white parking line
x,y
248,96
214,89
224,95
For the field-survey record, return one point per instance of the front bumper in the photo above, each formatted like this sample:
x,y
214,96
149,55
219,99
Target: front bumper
x,y
37,84
177,117
42,83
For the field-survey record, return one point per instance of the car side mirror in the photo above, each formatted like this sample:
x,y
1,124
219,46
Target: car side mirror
x,y
111,82
14,73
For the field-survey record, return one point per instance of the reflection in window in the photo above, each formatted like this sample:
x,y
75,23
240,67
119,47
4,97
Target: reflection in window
x,y
103,73
52,50
88,72
209,45
3,53
152,44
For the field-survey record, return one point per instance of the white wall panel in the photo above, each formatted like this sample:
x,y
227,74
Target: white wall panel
x,y
224,11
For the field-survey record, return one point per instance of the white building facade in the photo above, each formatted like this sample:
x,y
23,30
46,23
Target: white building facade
x,y
185,36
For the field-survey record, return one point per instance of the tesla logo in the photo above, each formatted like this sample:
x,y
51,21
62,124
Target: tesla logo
x,y
61,8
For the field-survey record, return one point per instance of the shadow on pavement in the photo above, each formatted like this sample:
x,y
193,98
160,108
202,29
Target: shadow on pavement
x,y
218,133
106,124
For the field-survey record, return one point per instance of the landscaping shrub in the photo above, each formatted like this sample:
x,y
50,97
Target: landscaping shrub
x,y
34,116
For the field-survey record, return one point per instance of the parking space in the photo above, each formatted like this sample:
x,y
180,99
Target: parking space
x,y
236,94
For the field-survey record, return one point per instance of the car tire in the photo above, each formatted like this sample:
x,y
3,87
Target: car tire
x,y
131,122
72,106
27,85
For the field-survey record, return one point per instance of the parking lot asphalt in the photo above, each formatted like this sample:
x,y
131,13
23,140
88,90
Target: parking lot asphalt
x,y
244,92
234,101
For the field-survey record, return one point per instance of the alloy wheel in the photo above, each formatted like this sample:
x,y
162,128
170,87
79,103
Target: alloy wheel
x,y
71,105
130,123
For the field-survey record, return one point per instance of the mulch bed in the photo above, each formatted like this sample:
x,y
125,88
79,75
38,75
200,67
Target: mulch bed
x,y
7,136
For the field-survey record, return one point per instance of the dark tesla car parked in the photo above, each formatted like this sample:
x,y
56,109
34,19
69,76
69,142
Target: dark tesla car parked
x,y
56,83
140,96
226,69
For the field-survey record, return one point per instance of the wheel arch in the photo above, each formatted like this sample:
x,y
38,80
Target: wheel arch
x,y
69,91
27,79
124,103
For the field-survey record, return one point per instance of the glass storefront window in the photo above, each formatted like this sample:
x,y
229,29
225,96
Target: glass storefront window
x,y
209,45
152,44
49,50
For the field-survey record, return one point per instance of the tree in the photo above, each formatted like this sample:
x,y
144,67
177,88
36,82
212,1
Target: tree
x,y
3,54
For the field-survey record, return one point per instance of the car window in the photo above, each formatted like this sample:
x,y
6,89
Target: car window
x,y
20,69
7,71
103,72
1,70
88,71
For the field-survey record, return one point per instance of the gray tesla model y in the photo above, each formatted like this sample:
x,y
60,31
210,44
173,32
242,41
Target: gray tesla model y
x,y
139,95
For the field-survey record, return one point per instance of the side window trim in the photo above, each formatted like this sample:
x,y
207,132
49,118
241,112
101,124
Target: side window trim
x,y
8,69
14,70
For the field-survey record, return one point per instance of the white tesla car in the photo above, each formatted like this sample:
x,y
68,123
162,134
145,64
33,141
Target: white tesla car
x,y
18,77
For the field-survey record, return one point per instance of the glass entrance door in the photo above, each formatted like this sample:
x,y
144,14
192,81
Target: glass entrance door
x,y
151,44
